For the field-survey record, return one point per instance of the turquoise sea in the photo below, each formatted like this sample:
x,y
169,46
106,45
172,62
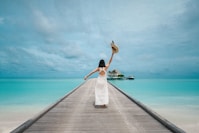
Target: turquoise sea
x,y
163,92
175,99
34,91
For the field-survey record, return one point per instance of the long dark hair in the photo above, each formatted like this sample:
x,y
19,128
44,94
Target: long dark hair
x,y
101,63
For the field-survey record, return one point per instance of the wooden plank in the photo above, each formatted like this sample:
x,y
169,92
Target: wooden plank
x,y
76,113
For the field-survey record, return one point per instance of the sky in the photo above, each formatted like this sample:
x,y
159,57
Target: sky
x,y
67,38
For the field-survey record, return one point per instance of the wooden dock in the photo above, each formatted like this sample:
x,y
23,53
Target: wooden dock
x,y
76,113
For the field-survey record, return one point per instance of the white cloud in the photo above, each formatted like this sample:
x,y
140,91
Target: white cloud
x,y
52,61
44,23
150,34
2,20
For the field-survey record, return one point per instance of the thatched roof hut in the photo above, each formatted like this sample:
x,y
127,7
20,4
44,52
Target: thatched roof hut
x,y
114,73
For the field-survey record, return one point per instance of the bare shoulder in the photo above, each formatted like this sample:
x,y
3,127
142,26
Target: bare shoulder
x,y
107,66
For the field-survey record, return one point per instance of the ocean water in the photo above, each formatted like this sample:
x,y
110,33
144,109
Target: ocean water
x,y
155,92
175,99
21,92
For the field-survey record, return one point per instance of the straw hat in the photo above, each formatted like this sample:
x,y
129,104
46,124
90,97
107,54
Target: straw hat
x,y
114,47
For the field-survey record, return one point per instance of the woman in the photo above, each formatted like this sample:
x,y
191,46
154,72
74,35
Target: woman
x,y
101,87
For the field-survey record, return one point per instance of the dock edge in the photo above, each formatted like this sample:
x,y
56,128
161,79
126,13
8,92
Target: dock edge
x,y
172,127
29,122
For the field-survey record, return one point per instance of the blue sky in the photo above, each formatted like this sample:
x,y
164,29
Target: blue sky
x,y
67,38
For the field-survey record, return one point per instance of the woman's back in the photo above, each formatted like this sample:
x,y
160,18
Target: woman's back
x,y
102,71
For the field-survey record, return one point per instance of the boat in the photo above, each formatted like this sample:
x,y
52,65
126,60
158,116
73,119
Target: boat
x,y
130,77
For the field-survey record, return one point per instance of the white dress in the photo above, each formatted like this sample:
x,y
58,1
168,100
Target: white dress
x,y
101,89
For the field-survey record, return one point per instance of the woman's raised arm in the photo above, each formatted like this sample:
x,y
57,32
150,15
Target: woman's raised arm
x,y
110,60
